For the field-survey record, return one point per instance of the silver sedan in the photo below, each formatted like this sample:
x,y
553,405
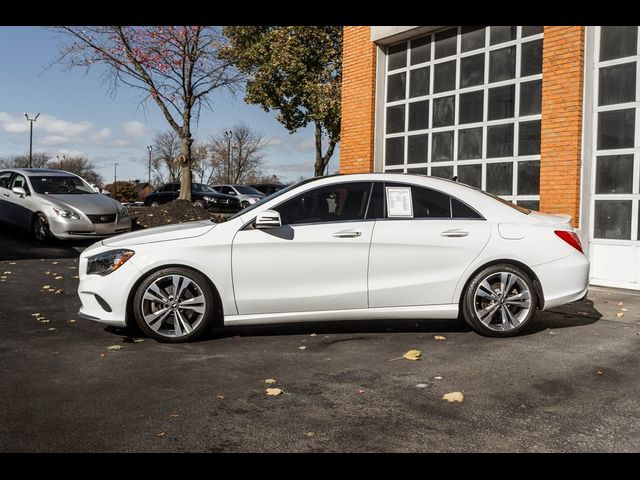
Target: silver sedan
x,y
55,203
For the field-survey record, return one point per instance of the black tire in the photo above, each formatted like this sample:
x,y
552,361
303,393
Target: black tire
x,y
40,228
154,204
198,203
165,335
244,204
499,323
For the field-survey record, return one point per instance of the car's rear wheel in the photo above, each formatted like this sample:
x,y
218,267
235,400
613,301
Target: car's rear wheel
x,y
40,227
198,203
154,204
500,301
174,305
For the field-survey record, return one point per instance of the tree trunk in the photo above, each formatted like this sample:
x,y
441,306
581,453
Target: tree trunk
x,y
185,166
322,160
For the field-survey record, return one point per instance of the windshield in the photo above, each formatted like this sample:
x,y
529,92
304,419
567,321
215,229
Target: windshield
x,y
244,190
61,185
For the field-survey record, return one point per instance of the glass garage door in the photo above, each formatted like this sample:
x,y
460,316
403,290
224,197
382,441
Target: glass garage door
x,y
466,101
615,182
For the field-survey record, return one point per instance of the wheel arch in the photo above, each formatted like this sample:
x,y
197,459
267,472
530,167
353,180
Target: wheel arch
x,y
509,261
129,315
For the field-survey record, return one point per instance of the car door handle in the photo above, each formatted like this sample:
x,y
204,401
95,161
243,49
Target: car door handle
x,y
456,232
347,234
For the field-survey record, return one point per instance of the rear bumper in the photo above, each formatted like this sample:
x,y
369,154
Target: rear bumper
x,y
563,281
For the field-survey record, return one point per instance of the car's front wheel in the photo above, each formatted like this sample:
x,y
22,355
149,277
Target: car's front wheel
x,y
198,203
244,204
500,301
174,305
40,227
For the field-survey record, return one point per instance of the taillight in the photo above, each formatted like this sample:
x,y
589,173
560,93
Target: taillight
x,y
571,238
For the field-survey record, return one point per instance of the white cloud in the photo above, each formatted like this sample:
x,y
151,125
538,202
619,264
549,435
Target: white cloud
x,y
133,129
52,131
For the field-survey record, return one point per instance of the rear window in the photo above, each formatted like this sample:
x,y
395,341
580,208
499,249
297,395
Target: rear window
x,y
520,208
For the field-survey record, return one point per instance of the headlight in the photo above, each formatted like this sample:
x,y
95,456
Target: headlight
x,y
107,262
122,211
211,199
66,213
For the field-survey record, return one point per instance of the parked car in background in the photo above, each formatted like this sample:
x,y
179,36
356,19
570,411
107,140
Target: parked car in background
x,y
379,246
246,194
55,203
202,196
268,188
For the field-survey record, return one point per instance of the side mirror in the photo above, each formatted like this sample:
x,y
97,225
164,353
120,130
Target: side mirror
x,y
19,191
268,219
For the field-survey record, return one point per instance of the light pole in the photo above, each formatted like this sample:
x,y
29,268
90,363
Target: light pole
x,y
31,122
115,173
228,134
149,148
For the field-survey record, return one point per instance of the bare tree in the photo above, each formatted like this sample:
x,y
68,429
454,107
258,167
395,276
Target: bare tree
x,y
247,146
164,158
203,168
39,160
177,67
81,166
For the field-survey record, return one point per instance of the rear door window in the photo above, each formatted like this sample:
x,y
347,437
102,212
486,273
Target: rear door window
x,y
4,179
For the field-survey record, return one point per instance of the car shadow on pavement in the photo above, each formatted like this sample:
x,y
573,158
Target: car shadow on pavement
x,y
18,244
582,312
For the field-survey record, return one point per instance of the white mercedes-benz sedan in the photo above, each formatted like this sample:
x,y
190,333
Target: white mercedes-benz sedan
x,y
345,247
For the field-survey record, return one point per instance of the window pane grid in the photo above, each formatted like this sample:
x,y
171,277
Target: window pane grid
x,y
615,178
447,154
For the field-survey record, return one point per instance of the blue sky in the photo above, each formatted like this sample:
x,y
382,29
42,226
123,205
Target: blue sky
x,y
79,116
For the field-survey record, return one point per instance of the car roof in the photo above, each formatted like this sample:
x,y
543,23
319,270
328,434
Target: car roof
x,y
34,172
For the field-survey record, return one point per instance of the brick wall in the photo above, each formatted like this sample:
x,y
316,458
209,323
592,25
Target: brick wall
x,y
358,100
562,91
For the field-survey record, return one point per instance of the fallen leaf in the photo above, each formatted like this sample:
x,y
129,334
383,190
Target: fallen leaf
x,y
72,321
6,273
173,415
220,396
599,372
59,277
438,377
114,347
54,263
138,340
453,397
302,348
52,329
269,380
412,355
620,304
273,392
12,263
624,309
313,335
421,385
440,337
75,276
3,277
47,273
40,318
360,392
46,287
161,434
103,354
59,291
35,314
44,321
619,314
309,434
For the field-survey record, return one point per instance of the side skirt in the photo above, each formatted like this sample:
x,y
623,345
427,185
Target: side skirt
x,y
381,313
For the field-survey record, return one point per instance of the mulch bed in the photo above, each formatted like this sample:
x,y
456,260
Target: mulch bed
x,y
177,211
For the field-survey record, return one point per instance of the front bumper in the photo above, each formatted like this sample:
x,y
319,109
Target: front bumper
x,y
112,291
68,228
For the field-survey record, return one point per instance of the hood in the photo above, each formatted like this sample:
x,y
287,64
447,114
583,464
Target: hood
x,y
161,234
89,203
560,219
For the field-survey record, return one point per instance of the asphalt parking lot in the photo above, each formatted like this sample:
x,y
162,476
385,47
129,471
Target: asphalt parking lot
x,y
570,384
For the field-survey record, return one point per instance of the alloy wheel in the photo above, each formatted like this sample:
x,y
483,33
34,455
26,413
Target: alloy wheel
x,y
502,301
173,306
40,228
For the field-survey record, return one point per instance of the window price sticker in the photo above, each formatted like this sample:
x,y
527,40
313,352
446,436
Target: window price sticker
x,y
399,203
